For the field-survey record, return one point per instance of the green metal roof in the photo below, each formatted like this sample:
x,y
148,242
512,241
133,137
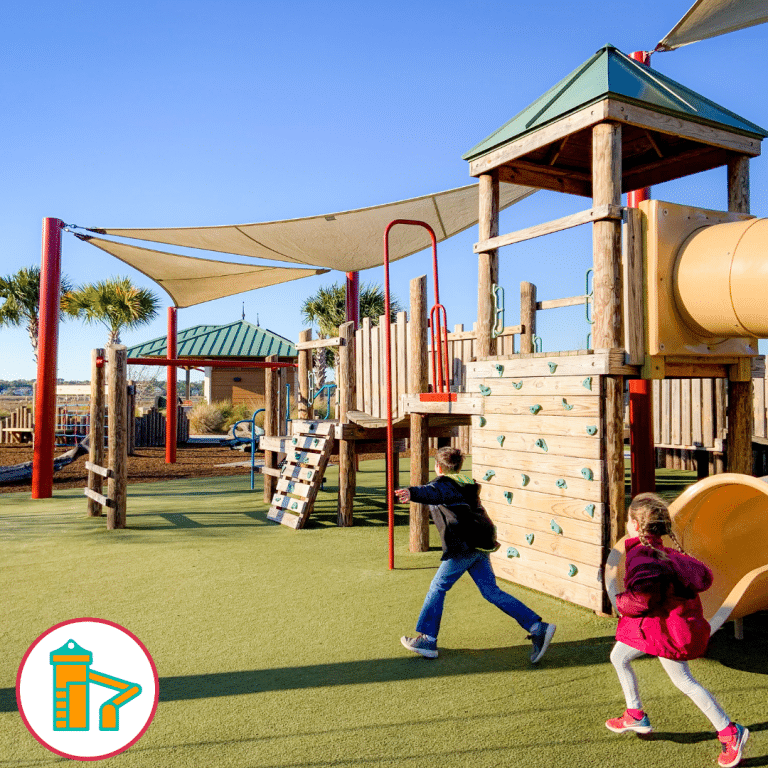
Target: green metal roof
x,y
612,73
238,339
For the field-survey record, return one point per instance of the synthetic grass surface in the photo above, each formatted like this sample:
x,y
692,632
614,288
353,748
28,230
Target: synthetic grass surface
x,y
281,648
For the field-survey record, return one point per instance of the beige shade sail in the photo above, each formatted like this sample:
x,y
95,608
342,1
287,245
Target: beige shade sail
x,y
191,281
348,241
709,18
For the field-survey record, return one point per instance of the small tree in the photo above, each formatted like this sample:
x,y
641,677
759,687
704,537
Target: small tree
x,y
21,306
116,303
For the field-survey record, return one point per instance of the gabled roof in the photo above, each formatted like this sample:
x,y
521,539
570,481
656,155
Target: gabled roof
x,y
611,73
238,339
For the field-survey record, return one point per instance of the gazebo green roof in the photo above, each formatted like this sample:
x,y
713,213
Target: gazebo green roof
x,y
240,339
612,74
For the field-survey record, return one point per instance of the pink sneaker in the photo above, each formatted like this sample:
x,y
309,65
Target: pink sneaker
x,y
628,723
733,747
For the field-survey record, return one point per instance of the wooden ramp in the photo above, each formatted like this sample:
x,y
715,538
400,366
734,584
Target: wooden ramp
x,y
302,475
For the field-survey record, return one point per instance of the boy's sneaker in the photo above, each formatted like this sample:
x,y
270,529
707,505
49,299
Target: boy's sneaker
x,y
628,723
420,645
541,639
733,747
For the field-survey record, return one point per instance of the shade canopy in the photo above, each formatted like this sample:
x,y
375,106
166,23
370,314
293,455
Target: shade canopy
x,y
348,241
710,18
191,281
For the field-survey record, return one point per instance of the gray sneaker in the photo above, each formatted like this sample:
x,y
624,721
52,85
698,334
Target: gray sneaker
x,y
541,639
420,645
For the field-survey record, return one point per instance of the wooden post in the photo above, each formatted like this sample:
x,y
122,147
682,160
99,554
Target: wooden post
x,y
271,407
117,355
418,381
488,264
347,448
740,395
527,316
305,363
130,417
96,431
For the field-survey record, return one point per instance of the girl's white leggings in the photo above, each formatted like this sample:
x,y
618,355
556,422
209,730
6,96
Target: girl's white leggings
x,y
622,657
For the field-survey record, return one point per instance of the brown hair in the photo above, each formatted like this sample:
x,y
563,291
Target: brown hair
x,y
449,459
651,515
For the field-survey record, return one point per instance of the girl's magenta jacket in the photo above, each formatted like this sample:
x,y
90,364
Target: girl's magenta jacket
x,y
660,610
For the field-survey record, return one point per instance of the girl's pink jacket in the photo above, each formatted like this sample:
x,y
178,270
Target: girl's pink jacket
x,y
660,610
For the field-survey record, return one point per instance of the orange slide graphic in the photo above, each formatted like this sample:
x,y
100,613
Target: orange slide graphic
x,y
722,521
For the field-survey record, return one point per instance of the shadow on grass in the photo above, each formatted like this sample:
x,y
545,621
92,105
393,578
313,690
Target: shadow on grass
x,y
747,655
452,662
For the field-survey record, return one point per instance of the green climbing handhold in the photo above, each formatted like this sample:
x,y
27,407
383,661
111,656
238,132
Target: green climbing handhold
x,y
566,406
524,480
508,496
529,538
541,443
295,441
561,483
316,441
500,439
489,474
555,527
572,570
310,474
590,510
587,473
290,488
517,384
485,391
591,430
534,409
482,421
295,505
512,552
499,368
552,367
587,383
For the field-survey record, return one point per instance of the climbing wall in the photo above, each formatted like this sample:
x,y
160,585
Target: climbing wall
x,y
538,452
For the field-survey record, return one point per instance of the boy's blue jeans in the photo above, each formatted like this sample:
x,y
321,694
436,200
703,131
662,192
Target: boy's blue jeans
x,y
478,565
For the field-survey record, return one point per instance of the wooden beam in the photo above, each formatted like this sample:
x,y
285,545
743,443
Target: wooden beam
x,y
271,397
488,264
528,176
96,444
633,286
118,440
572,301
319,343
304,408
527,316
346,448
600,213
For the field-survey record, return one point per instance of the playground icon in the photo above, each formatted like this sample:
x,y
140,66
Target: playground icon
x,y
80,711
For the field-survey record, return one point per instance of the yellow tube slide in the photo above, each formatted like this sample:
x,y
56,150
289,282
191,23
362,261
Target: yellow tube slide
x,y
722,521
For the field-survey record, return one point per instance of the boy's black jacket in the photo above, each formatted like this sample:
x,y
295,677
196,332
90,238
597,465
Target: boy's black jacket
x,y
463,524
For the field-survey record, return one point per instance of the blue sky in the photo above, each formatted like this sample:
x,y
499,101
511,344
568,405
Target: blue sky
x,y
202,113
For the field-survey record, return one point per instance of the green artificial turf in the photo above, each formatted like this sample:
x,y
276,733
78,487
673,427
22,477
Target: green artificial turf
x,y
281,648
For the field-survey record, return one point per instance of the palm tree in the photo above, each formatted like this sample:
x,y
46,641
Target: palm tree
x,y
326,311
116,303
21,305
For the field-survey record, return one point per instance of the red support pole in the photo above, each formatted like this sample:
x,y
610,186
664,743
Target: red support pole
x,y
642,451
352,311
47,349
171,408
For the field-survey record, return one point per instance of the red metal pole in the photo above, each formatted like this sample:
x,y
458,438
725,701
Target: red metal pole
x,y
171,398
642,451
352,311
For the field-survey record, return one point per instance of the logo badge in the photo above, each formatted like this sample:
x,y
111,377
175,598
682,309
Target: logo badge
x,y
87,689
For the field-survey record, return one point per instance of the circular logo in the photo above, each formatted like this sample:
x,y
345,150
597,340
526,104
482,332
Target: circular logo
x,y
87,689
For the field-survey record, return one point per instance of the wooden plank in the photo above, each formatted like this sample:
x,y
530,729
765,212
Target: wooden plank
x,y
527,319
318,343
591,554
597,213
283,517
697,435
707,413
557,506
666,411
272,472
501,423
759,405
533,521
532,463
376,382
512,480
536,406
309,442
309,428
366,364
564,386
686,417
488,262
294,487
552,565
102,471
676,415
572,301
633,284
307,458
401,333
599,363
464,404
97,497
585,447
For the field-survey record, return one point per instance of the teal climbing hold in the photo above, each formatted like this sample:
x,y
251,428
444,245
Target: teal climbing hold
x,y
316,442
534,409
508,496
529,538
289,488
310,474
541,443
587,473
561,483
517,384
489,474
500,440
482,421
295,505
499,368
552,367
555,527
512,552
572,570
587,383
485,391
524,480
591,430
590,510
295,441
566,406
